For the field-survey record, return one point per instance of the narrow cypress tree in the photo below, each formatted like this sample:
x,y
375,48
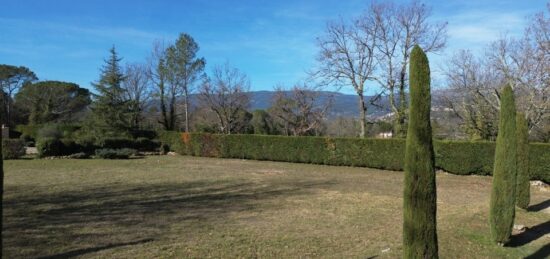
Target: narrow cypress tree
x,y
419,200
523,186
503,195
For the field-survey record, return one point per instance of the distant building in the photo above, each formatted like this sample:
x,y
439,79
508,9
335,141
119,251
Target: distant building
x,y
384,135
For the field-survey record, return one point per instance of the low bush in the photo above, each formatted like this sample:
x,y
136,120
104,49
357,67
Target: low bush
x,y
13,148
457,157
80,155
107,153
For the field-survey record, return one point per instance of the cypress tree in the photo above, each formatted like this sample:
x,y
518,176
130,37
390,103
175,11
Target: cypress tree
x,y
419,200
503,195
523,186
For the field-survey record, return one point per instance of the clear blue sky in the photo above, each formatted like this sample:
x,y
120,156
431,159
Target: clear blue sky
x,y
272,41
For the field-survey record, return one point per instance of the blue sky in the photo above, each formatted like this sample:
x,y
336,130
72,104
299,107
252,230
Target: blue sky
x,y
273,42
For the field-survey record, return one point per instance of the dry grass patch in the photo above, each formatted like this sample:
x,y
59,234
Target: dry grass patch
x,y
202,207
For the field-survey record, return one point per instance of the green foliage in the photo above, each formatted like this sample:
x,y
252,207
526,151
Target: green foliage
x,y
110,109
11,79
52,101
47,147
465,157
172,141
523,194
456,157
419,199
503,195
539,161
13,148
80,155
123,153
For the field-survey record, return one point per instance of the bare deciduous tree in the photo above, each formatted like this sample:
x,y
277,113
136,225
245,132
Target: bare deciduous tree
x,y
399,29
225,93
347,58
300,110
523,63
165,92
137,90
472,94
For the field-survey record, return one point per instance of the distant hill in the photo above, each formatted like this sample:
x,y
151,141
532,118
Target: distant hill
x,y
343,105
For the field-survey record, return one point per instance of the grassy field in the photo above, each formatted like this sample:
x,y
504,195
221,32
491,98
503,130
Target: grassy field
x,y
178,207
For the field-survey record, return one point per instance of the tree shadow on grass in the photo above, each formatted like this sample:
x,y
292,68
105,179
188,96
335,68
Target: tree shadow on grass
x,y
538,207
41,224
529,235
543,252
79,252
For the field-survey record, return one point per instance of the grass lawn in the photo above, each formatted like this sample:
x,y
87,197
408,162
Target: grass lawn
x,y
204,207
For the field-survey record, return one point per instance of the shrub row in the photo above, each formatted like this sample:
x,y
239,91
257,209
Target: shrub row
x,y
13,148
65,147
123,153
457,157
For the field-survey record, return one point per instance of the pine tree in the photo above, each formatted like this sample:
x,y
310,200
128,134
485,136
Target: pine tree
x,y
523,186
419,201
111,109
503,195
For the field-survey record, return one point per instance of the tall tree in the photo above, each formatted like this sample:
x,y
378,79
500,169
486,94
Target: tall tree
x,y
419,201
225,93
183,69
503,195
347,58
11,79
472,94
399,29
110,106
165,92
137,90
523,194
52,101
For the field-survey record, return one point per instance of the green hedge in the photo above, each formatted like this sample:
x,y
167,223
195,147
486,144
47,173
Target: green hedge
x,y
13,148
457,157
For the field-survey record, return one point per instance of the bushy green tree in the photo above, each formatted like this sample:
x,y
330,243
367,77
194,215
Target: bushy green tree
x,y
523,186
110,108
419,201
52,101
503,195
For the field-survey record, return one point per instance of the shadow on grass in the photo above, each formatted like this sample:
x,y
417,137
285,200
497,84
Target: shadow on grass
x,y
538,207
543,252
530,234
37,223
79,252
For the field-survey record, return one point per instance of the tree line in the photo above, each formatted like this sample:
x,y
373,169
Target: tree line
x,y
369,53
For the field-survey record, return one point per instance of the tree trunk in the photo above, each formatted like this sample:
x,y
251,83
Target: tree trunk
x,y
1,194
186,107
164,120
363,115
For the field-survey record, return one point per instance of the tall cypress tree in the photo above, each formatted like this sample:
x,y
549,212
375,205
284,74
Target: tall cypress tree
x,y
419,201
111,109
523,195
503,195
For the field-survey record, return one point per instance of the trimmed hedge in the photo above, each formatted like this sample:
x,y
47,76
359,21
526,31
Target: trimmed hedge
x,y
123,153
65,147
13,148
456,157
